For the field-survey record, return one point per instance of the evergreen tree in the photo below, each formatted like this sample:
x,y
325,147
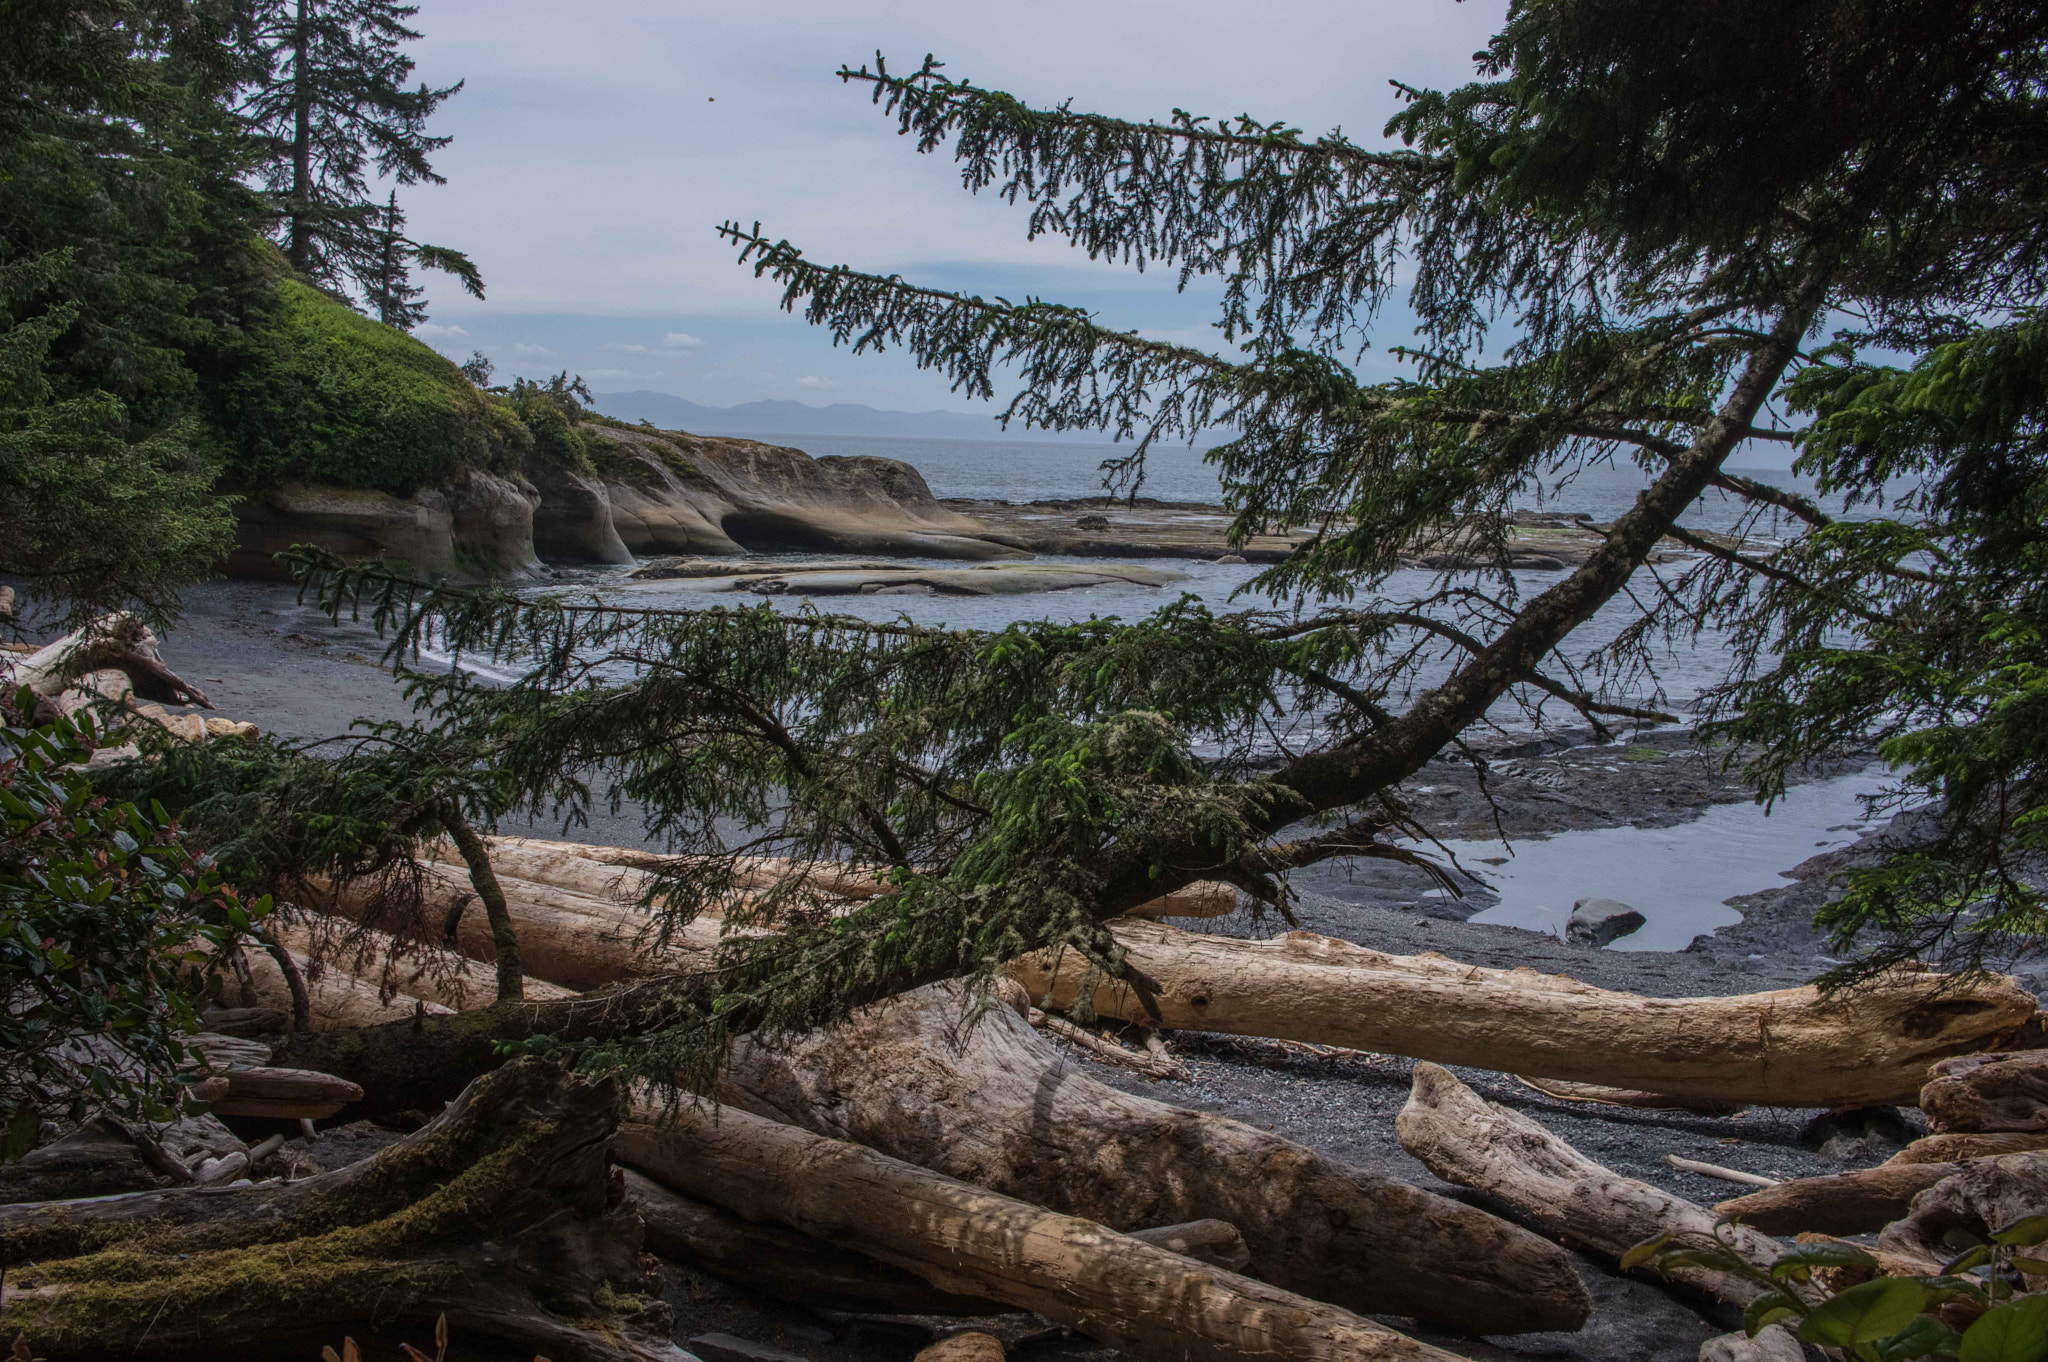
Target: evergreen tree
x,y
326,95
386,276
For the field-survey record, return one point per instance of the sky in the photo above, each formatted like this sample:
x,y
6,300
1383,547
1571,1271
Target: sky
x,y
598,146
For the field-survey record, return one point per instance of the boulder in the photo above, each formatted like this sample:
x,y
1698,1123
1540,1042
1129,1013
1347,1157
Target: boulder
x,y
1596,922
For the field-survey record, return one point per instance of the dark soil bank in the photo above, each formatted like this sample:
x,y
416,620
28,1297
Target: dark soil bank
x,y
286,669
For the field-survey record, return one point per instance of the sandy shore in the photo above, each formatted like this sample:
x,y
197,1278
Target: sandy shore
x,y
267,659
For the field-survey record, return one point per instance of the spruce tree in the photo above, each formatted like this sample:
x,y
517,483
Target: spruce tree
x,y
326,95
386,273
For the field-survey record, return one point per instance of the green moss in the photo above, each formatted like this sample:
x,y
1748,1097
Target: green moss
x,y
312,390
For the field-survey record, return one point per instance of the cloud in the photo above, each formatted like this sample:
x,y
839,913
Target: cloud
x,y
525,351
681,340
624,349
619,373
431,332
813,381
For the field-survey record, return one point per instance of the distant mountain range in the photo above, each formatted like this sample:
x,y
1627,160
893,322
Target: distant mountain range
x,y
841,418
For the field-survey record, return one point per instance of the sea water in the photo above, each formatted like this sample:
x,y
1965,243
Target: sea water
x,y
1678,877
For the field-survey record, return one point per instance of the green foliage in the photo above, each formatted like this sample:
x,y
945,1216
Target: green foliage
x,y
317,391
1881,1319
121,224
553,413
102,908
1922,632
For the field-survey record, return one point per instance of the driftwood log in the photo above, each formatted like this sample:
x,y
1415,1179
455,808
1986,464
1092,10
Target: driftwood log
x,y
338,1001
1959,1147
500,1213
1790,1047
1464,1139
103,1157
119,642
1856,1202
1118,1290
624,875
289,1094
374,957
575,940
980,1096
1980,1198
1994,1092
780,1262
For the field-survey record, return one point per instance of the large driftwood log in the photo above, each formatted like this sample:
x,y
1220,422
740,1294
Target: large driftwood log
x,y
1999,1092
1856,1202
103,1157
119,642
453,981
575,940
1790,1047
288,1094
982,1097
338,1001
1118,1290
500,1213
780,1262
623,874
1464,1139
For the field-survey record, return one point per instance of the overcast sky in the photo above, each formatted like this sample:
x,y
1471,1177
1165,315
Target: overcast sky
x,y
597,147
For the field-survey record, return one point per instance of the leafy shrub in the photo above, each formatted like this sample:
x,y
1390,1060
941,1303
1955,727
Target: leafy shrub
x,y
104,918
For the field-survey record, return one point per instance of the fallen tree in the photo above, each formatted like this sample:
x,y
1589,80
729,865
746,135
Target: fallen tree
x,y
1465,1139
1118,1290
976,1094
452,980
1790,1047
1856,1202
500,1214
1988,1092
1979,1199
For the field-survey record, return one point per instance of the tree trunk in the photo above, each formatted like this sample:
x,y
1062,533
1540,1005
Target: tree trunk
x,y
1117,1290
504,937
103,1157
1473,1143
989,1101
287,1094
1977,1093
299,239
1791,1047
499,1213
1857,1202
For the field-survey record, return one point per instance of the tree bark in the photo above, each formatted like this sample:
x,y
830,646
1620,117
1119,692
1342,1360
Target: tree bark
x,y
1469,1141
103,1157
1117,1290
336,1001
500,1213
504,936
985,1099
1856,1202
1791,1047
1979,1199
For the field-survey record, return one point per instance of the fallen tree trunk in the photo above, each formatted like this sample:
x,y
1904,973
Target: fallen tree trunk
x,y
1976,1201
499,1204
991,1102
1791,1047
118,642
452,980
1117,1290
1465,1139
103,1157
288,1094
1999,1092
1856,1202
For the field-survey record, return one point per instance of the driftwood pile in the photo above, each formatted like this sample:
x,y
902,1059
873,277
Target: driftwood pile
x,y
939,1155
